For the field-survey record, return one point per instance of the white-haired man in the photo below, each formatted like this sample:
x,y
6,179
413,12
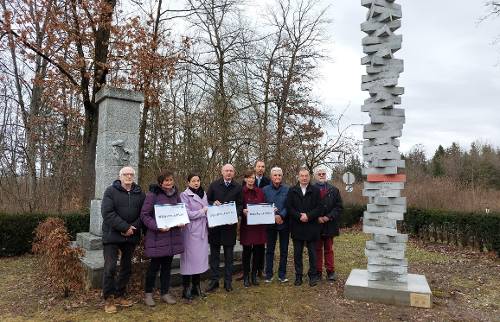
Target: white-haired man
x,y
331,210
120,209
276,194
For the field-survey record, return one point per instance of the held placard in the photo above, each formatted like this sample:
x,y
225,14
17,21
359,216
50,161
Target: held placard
x,y
224,214
260,214
168,216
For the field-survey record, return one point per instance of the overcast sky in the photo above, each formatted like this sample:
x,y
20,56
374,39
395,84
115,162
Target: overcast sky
x,y
451,77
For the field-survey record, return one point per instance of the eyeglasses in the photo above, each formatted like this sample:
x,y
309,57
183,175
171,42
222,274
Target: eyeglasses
x,y
321,174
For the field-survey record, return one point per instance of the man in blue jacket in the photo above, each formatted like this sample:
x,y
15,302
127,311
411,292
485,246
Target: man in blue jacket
x,y
276,194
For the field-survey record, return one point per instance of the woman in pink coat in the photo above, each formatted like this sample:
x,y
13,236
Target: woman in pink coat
x,y
194,260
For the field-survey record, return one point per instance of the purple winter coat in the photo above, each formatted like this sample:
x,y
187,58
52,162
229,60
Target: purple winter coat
x,y
157,243
194,260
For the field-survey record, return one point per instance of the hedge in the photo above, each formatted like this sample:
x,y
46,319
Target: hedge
x,y
16,230
478,230
481,231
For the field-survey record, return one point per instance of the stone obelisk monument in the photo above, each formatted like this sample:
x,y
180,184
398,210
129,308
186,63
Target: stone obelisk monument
x,y
386,278
117,146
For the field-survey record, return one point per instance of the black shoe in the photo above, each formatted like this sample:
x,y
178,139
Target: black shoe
x,y
186,293
319,275
313,281
212,286
255,281
298,281
332,276
228,287
246,280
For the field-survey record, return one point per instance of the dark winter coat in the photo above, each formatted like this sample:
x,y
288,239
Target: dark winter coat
x,y
157,243
252,234
310,204
225,234
332,208
121,209
265,181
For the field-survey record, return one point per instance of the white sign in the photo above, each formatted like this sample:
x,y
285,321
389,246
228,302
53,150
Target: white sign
x,y
260,214
348,178
168,216
224,214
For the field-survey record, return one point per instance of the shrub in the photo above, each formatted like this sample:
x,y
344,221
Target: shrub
x,y
351,215
478,230
16,230
60,262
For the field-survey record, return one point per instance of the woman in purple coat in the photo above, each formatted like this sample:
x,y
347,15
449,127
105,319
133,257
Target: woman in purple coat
x,y
161,244
194,260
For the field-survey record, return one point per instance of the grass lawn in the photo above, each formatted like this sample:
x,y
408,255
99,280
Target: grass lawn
x,y
465,284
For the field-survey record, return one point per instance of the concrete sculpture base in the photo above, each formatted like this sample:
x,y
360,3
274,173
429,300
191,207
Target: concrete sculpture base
x,y
414,293
93,263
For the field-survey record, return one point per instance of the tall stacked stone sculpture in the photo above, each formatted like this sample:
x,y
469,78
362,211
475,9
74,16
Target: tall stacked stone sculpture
x,y
386,278
117,146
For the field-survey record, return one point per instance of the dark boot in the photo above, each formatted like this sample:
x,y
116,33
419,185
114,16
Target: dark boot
x,y
255,281
246,280
186,293
196,291
212,286
186,290
227,286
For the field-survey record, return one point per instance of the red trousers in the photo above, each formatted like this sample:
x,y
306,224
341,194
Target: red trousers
x,y
325,246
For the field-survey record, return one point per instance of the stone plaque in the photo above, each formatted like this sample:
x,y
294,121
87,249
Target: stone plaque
x,y
420,300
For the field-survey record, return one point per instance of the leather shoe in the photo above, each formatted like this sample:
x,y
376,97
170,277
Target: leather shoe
x,y
332,276
228,287
212,286
298,281
246,280
313,281
255,281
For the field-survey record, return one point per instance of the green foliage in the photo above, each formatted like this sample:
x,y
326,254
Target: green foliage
x,y
481,231
351,215
16,230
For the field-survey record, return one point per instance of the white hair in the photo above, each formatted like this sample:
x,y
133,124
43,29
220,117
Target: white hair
x,y
126,167
277,169
318,169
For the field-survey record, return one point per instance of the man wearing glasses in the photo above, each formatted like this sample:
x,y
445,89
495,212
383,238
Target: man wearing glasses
x,y
331,211
120,209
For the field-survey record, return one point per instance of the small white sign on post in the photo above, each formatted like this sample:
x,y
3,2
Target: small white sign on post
x,y
224,214
260,214
168,216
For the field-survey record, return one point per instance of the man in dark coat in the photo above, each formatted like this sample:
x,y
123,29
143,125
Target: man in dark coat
x,y
221,191
260,179
120,209
304,209
329,219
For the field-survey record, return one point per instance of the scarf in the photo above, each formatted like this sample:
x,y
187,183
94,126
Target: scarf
x,y
200,192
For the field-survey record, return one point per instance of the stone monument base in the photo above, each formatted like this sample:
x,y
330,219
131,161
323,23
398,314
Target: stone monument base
x,y
93,264
414,293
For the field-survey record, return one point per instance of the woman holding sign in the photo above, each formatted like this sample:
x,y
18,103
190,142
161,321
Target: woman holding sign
x,y
194,260
160,244
252,237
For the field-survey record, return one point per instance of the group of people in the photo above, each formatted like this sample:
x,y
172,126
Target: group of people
x,y
308,212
